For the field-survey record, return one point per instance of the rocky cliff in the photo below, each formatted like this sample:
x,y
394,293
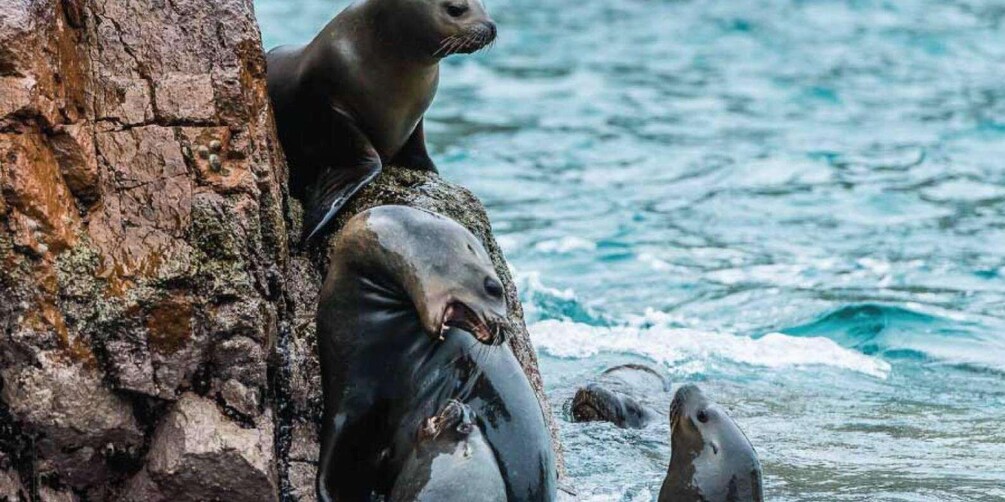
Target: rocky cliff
x,y
157,337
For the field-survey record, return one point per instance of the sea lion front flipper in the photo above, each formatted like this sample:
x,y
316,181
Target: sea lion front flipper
x,y
330,434
338,183
413,154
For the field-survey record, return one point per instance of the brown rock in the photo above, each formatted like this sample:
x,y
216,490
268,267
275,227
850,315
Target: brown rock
x,y
199,454
129,274
74,148
44,217
185,98
10,485
76,419
49,494
302,482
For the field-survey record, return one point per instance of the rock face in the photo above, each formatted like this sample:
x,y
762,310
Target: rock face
x,y
143,246
157,333
198,454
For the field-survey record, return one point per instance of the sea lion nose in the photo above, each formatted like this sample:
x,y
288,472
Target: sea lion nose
x,y
492,29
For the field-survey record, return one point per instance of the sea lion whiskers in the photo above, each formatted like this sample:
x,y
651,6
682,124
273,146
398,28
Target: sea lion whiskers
x,y
443,45
457,45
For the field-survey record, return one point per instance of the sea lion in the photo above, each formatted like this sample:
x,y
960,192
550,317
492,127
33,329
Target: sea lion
x,y
451,463
353,99
711,459
410,317
621,395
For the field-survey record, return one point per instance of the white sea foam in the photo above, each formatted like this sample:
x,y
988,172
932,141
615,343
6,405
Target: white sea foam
x,y
681,348
530,283
567,244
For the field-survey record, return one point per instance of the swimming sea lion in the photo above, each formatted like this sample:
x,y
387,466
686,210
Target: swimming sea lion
x,y
451,463
711,459
622,395
408,319
353,99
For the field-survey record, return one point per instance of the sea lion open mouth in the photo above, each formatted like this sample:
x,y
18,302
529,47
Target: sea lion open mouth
x,y
459,315
455,415
593,403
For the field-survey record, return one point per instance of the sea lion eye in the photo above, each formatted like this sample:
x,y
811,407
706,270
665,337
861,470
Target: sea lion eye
x,y
493,288
456,9
702,416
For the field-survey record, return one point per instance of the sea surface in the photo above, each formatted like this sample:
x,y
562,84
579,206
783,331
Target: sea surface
x,y
797,205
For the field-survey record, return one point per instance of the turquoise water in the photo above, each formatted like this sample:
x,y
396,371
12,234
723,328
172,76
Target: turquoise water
x,y
799,205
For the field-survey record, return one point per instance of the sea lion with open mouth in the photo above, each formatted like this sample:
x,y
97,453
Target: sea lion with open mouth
x,y
353,99
623,395
409,318
452,462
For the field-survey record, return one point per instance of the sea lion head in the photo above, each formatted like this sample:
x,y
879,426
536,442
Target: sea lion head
x,y
596,403
445,27
711,458
437,263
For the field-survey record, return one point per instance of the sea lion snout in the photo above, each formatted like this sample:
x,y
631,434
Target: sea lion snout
x,y
468,27
598,403
595,403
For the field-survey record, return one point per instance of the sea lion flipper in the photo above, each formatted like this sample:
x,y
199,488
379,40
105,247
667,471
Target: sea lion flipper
x,y
356,167
332,430
413,154
334,188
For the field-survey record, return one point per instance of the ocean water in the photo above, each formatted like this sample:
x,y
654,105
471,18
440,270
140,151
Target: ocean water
x,y
797,205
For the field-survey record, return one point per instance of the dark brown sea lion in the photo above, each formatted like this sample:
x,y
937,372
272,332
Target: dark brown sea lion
x,y
711,459
353,99
408,320
452,462
623,395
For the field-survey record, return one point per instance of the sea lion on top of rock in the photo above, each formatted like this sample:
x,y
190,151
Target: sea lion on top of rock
x,y
452,462
711,459
623,395
409,319
353,99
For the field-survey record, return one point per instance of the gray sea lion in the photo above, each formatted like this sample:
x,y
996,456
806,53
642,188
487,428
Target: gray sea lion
x,y
452,462
711,459
623,395
353,99
408,319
